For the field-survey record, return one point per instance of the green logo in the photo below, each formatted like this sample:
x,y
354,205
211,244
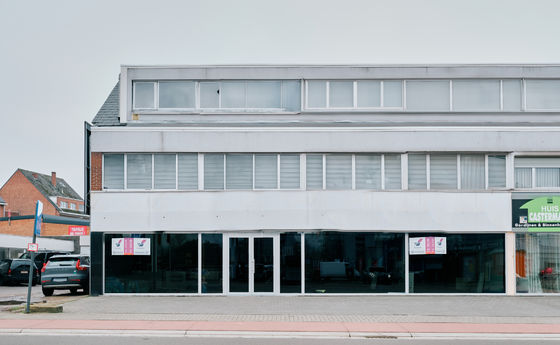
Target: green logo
x,y
543,214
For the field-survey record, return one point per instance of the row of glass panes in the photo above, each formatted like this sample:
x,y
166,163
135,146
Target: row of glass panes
x,y
537,177
537,172
420,95
241,94
408,95
456,171
238,171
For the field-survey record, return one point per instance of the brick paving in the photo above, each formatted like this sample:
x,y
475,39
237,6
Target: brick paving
x,y
407,314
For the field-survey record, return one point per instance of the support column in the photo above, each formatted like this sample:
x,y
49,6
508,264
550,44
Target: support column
x,y
96,264
510,278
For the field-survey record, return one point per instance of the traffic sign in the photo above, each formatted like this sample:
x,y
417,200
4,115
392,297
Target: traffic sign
x,y
32,247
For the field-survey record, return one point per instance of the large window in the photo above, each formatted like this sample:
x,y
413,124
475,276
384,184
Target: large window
x,y
331,171
348,171
113,172
346,94
538,262
254,95
537,172
290,263
476,95
354,262
425,95
476,171
440,95
474,263
543,94
169,264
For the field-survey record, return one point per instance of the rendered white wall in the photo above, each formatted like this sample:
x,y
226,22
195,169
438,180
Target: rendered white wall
x,y
232,139
300,210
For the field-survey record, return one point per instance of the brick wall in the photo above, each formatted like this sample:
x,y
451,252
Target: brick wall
x,y
21,196
96,170
24,227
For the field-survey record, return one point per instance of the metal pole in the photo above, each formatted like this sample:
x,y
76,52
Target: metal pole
x,y
30,275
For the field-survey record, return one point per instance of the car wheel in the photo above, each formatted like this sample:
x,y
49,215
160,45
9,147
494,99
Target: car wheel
x,y
48,292
73,291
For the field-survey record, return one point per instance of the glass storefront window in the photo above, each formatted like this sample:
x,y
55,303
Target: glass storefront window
x,y
177,263
290,263
212,263
354,262
128,273
538,262
169,266
473,264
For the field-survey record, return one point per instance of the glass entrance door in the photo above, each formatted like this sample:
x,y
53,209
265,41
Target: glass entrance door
x,y
252,263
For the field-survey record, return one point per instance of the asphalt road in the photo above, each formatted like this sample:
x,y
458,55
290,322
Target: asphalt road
x,y
149,340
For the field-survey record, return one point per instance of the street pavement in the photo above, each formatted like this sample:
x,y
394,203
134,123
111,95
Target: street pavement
x,y
57,339
403,317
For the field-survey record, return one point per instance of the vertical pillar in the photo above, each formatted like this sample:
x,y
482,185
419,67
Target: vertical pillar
x,y
96,266
510,278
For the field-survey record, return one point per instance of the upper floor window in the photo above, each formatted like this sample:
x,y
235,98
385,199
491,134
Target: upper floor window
x,y
311,171
543,94
537,172
443,171
361,94
253,95
63,204
72,206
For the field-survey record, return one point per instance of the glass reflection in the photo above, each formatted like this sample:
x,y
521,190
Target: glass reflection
x,y
354,262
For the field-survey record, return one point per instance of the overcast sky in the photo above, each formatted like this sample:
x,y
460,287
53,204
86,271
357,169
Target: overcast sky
x,y
60,59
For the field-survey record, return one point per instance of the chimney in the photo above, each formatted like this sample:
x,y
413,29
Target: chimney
x,y
53,178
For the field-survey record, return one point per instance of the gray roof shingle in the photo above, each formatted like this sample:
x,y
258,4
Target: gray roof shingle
x,y
44,185
108,115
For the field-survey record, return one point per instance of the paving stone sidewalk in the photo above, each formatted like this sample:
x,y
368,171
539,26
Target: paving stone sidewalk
x,y
352,309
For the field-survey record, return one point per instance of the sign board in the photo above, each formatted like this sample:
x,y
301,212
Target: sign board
x,y
77,230
38,218
427,245
541,214
130,246
32,247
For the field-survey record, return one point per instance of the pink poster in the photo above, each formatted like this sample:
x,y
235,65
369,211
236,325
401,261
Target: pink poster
x,y
129,246
430,245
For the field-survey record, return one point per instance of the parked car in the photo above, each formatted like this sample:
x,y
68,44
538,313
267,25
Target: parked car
x,y
41,258
66,272
16,271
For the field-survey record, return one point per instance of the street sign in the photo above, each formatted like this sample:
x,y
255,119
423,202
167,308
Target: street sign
x,y
32,247
75,230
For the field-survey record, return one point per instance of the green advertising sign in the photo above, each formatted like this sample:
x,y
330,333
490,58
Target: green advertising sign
x,y
542,215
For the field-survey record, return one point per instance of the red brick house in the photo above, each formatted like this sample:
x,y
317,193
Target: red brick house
x,y
22,190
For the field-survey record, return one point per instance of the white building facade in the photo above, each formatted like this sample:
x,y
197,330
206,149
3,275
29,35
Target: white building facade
x,y
327,180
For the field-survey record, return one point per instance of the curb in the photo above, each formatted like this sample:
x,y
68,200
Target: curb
x,y
274,334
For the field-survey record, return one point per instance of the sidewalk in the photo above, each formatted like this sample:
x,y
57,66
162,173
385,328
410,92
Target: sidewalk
x,y
344,316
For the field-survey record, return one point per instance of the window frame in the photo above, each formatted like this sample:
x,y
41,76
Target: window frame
x,y
354,106
197,104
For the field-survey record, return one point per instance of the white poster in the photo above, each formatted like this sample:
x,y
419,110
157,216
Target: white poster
x,y
417,245
441,245
141,246
117,246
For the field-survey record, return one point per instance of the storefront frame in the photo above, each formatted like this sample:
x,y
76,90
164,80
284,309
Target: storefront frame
x,y
253,234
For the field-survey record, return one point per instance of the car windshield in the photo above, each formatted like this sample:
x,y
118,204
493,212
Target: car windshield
x,y
62,261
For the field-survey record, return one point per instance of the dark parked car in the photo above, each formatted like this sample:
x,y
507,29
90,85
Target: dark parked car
x,y
16,271
66,272
41,258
